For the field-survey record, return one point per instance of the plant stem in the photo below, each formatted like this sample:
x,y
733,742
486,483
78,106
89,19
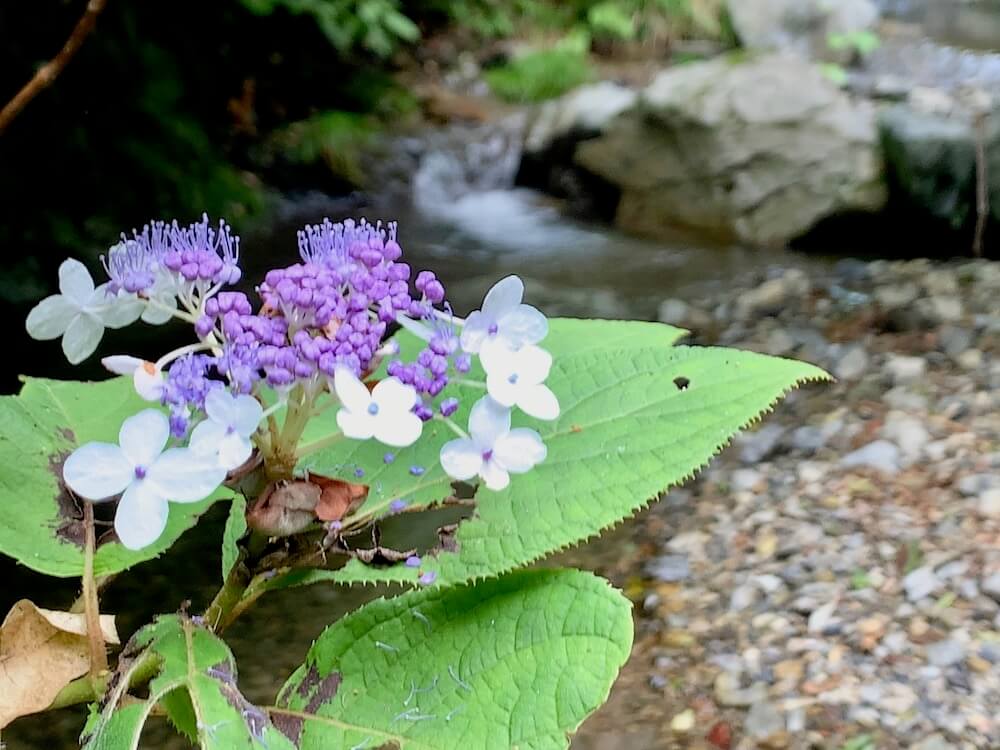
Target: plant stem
x,y
315,446
219,614
83,690
91,607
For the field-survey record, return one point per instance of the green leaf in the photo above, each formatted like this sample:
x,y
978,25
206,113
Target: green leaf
x,y
195,682
39,521
519,661
638,416
236,527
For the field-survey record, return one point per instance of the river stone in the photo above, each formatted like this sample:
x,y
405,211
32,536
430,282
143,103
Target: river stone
x,y
758,150
585,111
800,27
880,454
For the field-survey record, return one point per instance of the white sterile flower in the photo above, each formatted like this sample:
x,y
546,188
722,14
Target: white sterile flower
x,y
492,451
385,413
516,378
80,313
147,476
148,379
225,435
504,320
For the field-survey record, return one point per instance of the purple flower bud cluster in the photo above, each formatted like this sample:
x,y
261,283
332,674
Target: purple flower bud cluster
x,y
200,253
430,373
186,386
197,253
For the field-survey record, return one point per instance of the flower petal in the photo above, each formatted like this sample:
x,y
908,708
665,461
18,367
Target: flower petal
x,y
50,318
496,357
115,311
97,471
122,364
234,450
501,389
220,406
538,401
352,392
494,475
523,325
533,364
488,421
206,437
82,336
143,436
475,332
398,429
75,281
520,450
505,295
249,412
394,396
357,425
461,459
185,476
156,316
141,516
149,382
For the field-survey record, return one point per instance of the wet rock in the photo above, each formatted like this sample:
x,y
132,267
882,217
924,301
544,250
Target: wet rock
x,y
683,722
933,742
669,568
881,455
743,597
757,150
908,433
991,586
920,583
976,484
673,312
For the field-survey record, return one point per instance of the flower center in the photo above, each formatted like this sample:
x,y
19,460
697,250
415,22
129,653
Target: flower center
x,y
492,331
230,430
487,455
373,408
512,379
140,472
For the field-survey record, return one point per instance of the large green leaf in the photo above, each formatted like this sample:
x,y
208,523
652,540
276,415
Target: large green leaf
x,y
195,682
41,426
638,416
518,661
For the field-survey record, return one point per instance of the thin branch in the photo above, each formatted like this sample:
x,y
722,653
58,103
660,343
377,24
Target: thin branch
x,y
982,186
48,73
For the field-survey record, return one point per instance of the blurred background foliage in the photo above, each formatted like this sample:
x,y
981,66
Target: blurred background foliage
x,y
174,107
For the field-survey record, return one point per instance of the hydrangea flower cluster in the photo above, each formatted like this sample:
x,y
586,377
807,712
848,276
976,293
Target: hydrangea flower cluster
x,y
323,327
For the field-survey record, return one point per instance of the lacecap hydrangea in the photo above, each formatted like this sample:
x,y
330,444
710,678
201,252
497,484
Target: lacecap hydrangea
x,y
240,396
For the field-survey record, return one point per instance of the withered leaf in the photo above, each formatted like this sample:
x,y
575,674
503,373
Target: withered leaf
x,y
337,497
42,651
285,508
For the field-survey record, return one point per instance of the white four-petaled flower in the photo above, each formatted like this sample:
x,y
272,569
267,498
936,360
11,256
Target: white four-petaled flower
x,y
516,378
225,434
80,313
145,474
503,321
385,413
492,451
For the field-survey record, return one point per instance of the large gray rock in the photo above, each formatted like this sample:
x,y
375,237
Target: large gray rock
x,y
759,150
801,27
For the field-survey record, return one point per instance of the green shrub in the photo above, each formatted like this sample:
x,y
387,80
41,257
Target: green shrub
x,y
539,75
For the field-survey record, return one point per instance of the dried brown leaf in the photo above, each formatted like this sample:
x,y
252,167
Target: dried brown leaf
x,y
42,651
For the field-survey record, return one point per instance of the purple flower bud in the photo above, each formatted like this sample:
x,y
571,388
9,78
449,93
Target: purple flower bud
x,y
417,470
463,363
397,506
428,578
434,291
389,458
413,561
449,406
